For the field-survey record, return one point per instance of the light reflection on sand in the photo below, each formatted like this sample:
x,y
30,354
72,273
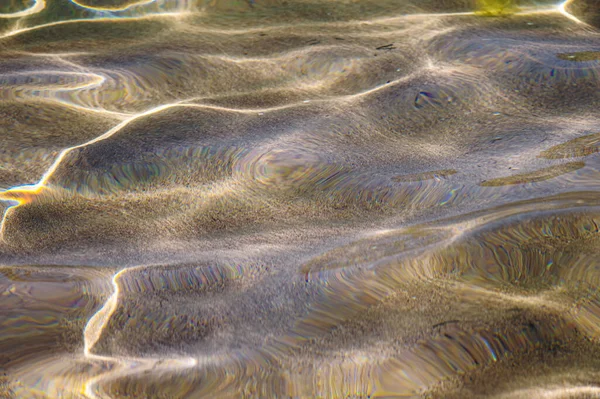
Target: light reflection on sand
x,y
276,200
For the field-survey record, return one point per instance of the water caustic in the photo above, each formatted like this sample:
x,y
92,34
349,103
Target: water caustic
x,y
271,199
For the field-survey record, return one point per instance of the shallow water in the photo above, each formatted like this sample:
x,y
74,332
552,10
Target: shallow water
x,y
299,199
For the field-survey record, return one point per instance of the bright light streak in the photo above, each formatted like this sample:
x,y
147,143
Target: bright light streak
x,y
562,9
38,6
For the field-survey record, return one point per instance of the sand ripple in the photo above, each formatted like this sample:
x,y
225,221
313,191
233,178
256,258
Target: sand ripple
x,y
274,199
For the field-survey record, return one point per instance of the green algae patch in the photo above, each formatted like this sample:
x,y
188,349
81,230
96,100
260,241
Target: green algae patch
x,y
580,56
496,8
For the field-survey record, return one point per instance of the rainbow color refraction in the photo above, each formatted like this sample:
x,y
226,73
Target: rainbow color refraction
x,y
350,199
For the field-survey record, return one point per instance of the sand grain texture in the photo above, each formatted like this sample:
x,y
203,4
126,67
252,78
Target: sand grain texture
x,y
299,199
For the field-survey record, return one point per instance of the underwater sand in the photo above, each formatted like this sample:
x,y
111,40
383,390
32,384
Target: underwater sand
x,y
299,199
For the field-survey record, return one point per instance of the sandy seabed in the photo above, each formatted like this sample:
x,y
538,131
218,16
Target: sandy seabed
x,y
299,199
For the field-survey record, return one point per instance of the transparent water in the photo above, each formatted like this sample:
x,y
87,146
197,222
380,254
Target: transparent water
x,y
299,199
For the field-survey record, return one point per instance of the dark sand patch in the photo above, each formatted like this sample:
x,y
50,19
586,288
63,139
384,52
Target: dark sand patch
x,y
579,147
580,56
534,177
436,174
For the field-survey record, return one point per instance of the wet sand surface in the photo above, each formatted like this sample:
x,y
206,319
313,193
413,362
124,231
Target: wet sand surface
x,y
299,199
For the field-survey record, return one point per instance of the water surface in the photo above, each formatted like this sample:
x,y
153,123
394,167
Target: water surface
x,y
299,199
